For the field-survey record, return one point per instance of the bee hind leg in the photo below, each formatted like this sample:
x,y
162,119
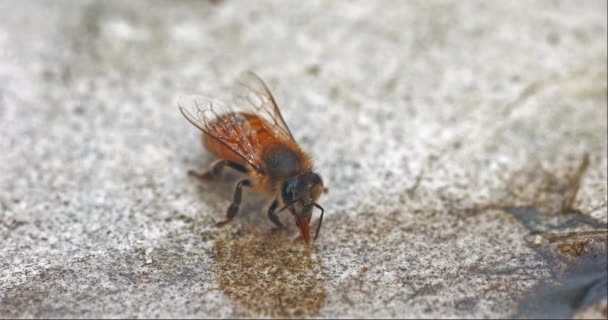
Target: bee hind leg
x,y
236,202
215,170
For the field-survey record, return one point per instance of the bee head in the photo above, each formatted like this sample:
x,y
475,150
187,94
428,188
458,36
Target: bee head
x,y
304,189
300,195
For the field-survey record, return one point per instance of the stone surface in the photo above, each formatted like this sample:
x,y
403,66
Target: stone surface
x,y
450,135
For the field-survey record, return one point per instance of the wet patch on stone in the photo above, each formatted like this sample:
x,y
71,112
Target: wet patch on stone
x,y
268,273
582,283
571,242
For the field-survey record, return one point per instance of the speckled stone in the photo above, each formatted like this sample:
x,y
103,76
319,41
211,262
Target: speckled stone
x,y
449,133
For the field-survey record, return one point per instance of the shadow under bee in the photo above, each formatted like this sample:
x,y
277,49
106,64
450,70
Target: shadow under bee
x,y
269,274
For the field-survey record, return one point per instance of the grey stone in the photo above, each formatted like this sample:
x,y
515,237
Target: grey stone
x,y
449,135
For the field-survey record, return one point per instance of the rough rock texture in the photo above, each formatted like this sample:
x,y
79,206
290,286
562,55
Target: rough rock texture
x,y
453,136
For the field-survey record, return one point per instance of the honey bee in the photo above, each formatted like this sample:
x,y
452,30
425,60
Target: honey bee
x,y
259,143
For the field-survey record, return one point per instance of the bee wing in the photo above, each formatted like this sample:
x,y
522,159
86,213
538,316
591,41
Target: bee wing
x,y
254,92
235,135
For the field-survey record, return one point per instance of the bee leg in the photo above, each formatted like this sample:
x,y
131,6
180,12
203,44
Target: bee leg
x,y
272,215
215,170
236,202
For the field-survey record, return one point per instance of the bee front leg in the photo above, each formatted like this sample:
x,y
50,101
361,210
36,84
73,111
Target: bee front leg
x,y
272,215
215,170
236,202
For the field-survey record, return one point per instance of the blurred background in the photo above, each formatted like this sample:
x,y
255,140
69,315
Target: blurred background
x,y
464,145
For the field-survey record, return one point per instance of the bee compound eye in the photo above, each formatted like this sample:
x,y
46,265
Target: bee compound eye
x,y
288,191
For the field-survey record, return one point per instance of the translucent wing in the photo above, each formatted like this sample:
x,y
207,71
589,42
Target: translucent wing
x,y
221,123
254,92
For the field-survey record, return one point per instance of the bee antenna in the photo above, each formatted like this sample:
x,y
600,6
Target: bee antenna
x,y
320,219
